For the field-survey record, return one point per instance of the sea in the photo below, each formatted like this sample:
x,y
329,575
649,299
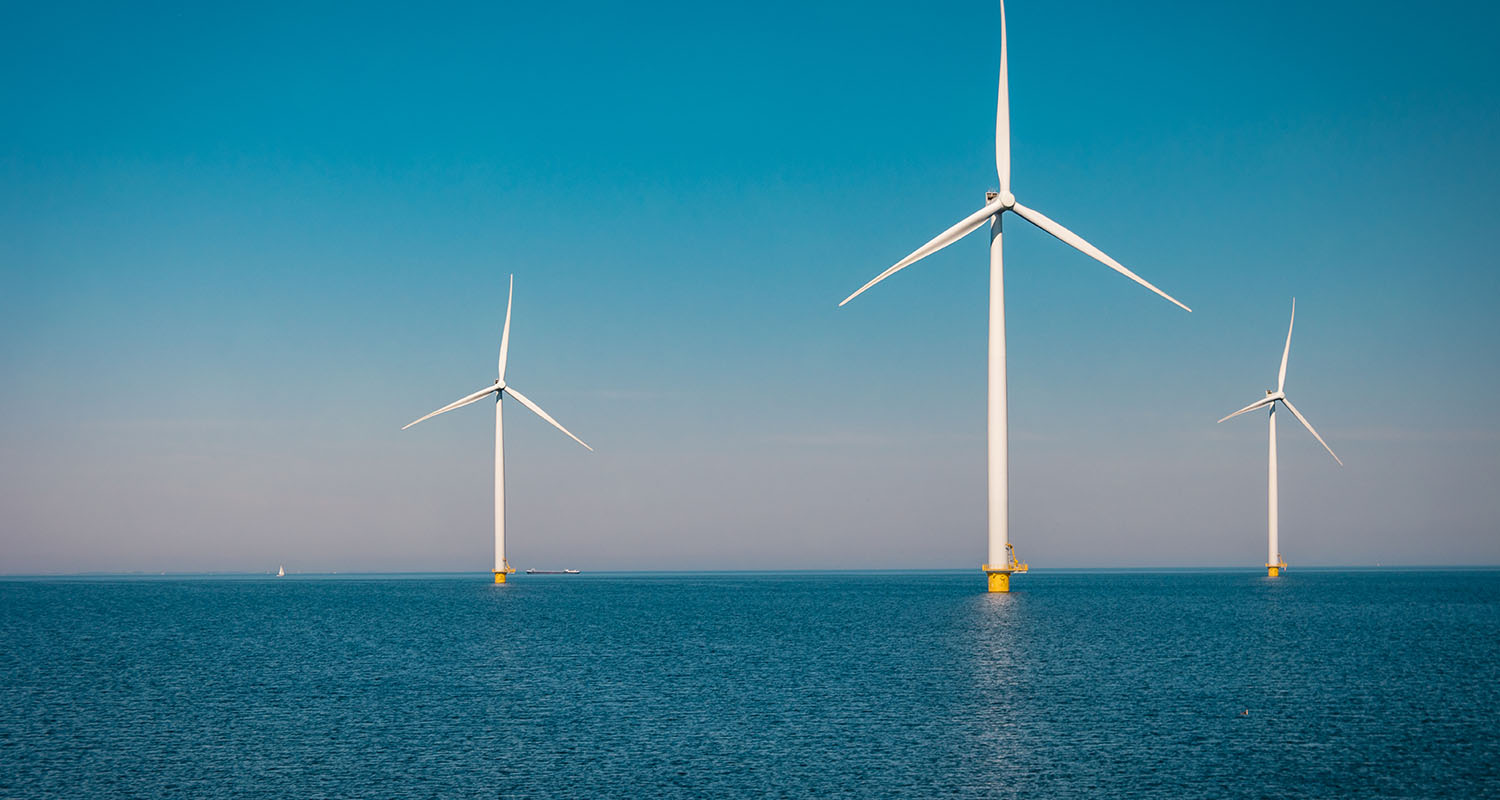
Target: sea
x,y
1088,684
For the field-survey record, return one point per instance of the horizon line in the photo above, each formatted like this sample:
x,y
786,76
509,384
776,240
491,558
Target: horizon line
x,y
768,571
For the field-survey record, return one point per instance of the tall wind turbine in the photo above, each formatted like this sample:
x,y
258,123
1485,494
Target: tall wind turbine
x,y
1002,561
500,389
1274,564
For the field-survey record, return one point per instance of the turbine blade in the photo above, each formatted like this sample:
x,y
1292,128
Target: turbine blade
x,y
473,398
1262,403
1041,220
1281,376
539,412
505,337
1002,115
1309,427
969,224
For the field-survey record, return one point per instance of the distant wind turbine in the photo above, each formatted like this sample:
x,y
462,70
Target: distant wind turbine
x,y
1274,564
1002,561
500,389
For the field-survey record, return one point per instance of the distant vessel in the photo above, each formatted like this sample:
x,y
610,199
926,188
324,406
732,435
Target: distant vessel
x,y
551,572
281,571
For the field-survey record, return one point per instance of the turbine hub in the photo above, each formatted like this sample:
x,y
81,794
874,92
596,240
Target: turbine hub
x,y
1007,200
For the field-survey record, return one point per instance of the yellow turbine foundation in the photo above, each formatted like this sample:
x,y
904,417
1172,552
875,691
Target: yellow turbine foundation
x,y
999,577
1274,570
499,576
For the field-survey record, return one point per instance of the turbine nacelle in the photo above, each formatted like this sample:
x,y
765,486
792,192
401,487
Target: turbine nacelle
x,y
1004,200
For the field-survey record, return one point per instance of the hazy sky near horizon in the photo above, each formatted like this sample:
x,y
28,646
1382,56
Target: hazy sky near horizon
x,y
240,249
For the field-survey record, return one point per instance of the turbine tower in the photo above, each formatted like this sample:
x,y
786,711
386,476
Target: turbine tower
x,y
1274,563
1002,561
500,389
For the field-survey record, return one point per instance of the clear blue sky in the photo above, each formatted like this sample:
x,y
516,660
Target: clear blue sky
x,y
242,247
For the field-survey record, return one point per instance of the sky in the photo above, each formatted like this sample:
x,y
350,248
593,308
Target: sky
x,y
240,248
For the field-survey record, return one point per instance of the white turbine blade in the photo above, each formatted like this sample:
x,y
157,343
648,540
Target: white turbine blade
x,y
969,224
1309,427
539,412
1281,376
1262,403
1041,220
1002,115
505,337
473,398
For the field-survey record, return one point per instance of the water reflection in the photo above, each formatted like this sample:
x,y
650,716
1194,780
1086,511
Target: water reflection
x,y
886,684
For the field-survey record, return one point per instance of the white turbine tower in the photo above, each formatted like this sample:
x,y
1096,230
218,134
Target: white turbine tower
x,y
1002,561
500,389
1274,564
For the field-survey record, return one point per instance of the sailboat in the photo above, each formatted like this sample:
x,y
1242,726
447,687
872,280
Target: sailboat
x,y
281,571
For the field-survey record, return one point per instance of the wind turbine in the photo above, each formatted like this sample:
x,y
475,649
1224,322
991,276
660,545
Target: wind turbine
x,y
1002,561
500,389
1274,564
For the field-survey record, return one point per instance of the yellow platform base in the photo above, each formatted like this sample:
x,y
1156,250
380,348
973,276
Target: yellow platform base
x,y
1273,571
499,577
999,577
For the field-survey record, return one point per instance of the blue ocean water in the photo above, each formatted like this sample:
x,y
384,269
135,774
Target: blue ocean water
x,y
1091,684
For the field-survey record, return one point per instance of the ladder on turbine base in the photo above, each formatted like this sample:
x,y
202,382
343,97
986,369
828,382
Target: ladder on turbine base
x,y
1010,556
